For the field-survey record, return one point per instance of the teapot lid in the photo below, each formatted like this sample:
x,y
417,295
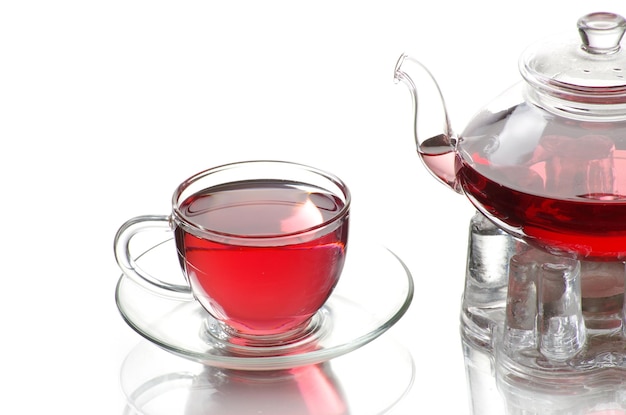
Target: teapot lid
x,y
592,71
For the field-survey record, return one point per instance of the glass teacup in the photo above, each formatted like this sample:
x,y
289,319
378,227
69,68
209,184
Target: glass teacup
x,y
261,244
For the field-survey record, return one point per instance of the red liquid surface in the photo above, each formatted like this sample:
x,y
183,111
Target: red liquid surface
x,y
276,282
592,229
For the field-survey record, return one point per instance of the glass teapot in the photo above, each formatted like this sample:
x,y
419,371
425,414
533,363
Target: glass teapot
x,y
546,160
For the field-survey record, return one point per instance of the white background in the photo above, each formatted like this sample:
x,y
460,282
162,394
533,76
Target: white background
x,y
106,106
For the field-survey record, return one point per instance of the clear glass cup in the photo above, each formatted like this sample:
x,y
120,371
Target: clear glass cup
x,y
262,245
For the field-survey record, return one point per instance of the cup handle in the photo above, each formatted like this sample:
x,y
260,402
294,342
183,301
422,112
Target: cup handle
x,y
127,263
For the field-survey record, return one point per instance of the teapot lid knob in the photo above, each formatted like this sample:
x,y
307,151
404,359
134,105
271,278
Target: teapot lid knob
x,y
563,71
601,32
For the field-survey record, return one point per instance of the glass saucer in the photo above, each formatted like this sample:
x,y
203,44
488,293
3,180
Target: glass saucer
x,y
159,383
374,292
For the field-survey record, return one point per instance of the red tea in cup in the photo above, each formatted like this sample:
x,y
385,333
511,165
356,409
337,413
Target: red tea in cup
x,y
270,268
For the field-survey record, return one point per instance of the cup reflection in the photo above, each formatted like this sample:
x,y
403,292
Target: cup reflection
x,y
156,382
308,390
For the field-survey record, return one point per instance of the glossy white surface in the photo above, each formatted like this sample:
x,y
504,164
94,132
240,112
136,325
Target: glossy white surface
x,y
106,106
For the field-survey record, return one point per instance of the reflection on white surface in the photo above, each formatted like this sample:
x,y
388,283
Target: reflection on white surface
x,y
575,395
305,390
368,381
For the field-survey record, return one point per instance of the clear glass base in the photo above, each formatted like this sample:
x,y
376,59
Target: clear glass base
x,y
542,334
303,338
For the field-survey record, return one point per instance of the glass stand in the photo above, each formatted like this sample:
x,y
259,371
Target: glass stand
x,y
541,334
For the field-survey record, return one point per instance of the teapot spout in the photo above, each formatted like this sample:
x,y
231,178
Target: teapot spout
x,y
434,138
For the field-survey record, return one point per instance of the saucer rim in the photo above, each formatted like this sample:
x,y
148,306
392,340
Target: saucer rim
x,y
269,362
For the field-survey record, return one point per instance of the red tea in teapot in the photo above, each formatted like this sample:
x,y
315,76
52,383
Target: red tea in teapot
x,y
565,191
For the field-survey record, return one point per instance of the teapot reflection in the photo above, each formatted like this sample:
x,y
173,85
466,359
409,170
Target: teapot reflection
x,y
306,390
492,392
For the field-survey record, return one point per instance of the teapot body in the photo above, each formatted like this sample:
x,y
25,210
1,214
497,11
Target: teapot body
x,y
554,180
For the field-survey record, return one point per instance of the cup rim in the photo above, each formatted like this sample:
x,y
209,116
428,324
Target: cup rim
x,y
179,219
